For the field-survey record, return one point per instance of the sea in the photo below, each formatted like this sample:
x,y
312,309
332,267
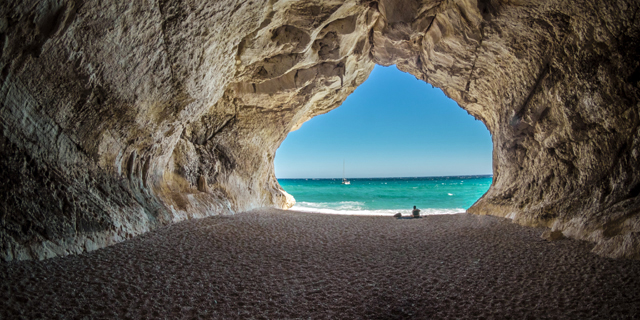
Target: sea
x,y
387,196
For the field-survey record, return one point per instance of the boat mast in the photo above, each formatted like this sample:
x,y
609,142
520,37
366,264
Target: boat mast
x,y
344,179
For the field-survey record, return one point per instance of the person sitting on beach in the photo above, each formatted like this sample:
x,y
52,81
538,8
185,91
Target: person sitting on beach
x,y
415,212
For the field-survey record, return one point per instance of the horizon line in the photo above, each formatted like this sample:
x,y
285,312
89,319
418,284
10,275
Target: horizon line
x,y
458,175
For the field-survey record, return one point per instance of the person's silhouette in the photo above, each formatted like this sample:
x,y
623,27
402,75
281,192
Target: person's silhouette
x,y
415,212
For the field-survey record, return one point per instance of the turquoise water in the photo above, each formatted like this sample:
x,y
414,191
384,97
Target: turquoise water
x,y
387,196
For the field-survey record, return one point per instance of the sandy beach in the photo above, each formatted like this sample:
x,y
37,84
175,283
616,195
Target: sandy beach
x,y
272,264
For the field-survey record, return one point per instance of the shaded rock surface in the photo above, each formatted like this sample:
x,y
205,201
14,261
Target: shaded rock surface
x,y
118,118
552,235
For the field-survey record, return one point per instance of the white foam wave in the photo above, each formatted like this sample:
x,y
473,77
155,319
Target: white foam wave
x,y
343,205
354,208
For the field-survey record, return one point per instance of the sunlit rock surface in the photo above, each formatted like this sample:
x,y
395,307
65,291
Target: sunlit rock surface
x,y
119,117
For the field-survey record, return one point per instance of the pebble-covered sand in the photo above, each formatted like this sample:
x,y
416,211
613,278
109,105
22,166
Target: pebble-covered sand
x,y
272,264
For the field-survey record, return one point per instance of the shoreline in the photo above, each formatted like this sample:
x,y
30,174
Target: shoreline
x,y
374,212
277,264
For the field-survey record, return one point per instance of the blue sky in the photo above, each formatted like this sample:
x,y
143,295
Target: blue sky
x,y
393,125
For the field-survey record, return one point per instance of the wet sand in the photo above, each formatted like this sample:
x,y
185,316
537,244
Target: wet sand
x,y
272,264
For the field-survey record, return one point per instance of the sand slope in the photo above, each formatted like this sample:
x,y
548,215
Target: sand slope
x,y
271,264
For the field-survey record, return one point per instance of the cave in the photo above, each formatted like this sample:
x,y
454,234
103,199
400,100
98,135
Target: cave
x,y
120,118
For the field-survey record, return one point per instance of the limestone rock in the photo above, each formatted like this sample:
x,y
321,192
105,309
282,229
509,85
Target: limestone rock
x,y
120,117
552,235
286,201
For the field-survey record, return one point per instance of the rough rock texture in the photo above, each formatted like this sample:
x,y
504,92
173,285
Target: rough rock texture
x,y
552,235
118,117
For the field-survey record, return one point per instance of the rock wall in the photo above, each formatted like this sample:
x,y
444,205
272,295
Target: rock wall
x,y
120,118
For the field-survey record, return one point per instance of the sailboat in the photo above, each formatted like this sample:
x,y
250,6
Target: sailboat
x,y
344,180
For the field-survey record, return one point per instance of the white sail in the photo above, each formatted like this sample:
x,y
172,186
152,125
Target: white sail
x,y
344,180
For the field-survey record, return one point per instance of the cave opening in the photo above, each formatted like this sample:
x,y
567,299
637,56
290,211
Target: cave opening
x,y
399,142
